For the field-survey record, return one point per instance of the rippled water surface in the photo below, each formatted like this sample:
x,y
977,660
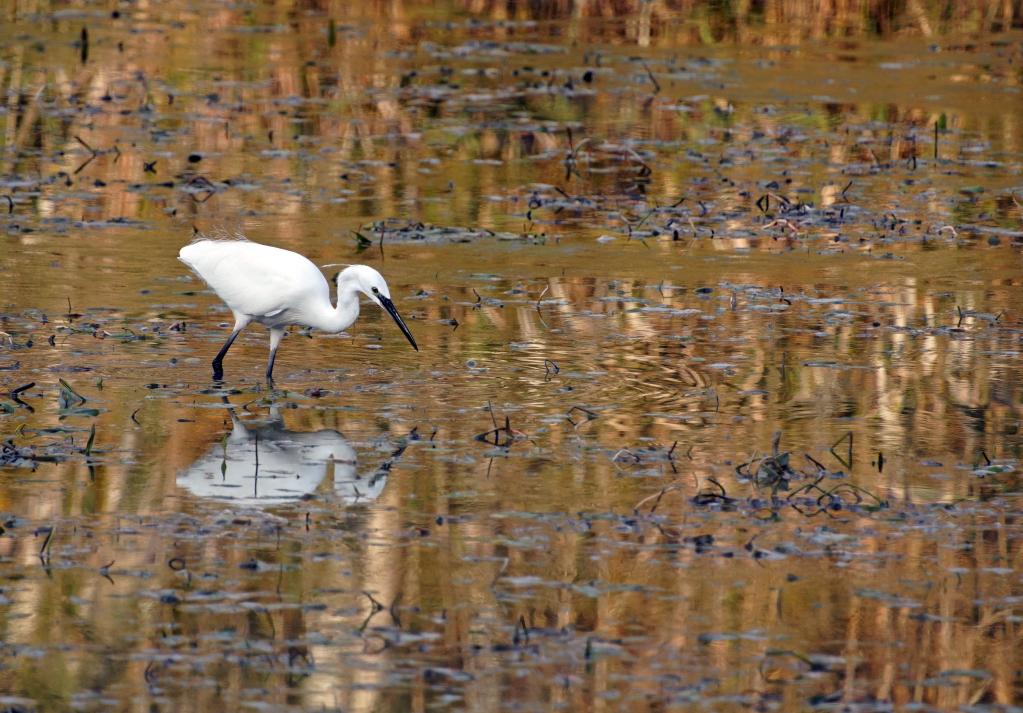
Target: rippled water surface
x,y
717,402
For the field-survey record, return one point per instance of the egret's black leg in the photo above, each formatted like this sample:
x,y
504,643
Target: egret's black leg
x,y
275,341
270,369
218,361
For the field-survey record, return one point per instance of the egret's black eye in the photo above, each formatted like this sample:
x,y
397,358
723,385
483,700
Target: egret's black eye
x,y
376,291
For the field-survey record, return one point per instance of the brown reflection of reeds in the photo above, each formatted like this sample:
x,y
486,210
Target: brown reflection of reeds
x,y
771,22
255,83
918,386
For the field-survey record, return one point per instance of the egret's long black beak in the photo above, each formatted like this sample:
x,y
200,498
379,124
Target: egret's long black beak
x,y
393,311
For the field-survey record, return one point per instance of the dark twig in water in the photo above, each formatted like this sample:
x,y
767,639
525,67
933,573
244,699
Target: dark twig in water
x,y
16,393
656,497
671,457
848,461
540,299
714,481
856,490
705,498
68,396
149,674
201,184
44,553
88,148
816,462
92,439
104,571
377,606
493,436
590,415
808,487
551,367
653,79
626,452
520,626
83,45
570,157
10,204
93,153
393,609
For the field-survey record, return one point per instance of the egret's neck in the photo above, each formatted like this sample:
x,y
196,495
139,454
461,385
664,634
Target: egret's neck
x,y
342,316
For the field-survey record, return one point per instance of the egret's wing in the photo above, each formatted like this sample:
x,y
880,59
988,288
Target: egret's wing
x,y
253,279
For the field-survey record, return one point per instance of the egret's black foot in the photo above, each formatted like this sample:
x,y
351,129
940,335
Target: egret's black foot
x,y
218,372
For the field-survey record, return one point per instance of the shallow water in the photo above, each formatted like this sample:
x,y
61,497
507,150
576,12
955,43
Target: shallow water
x,y
718,396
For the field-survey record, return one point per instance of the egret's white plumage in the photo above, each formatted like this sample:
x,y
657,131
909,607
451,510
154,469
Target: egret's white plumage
x,y
278,288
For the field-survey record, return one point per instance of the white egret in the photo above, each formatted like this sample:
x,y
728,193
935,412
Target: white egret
x,y
278,288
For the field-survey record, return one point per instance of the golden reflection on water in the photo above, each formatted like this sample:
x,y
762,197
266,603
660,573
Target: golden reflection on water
x,y
574,568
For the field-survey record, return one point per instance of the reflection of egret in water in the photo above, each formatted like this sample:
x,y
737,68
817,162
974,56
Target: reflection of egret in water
x,y
267,464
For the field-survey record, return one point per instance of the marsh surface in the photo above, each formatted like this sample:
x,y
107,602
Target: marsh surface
x,y
718,396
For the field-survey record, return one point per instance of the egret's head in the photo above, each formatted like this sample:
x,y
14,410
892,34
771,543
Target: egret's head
x,y
371,283
366,280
